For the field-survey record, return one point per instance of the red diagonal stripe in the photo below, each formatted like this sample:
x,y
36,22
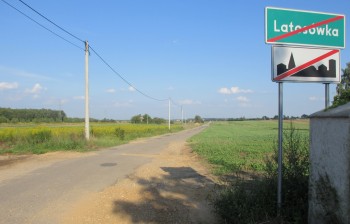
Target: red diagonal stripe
x,y
305,65
274,39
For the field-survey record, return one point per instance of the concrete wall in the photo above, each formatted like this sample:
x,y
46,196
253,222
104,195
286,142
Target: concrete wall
x,y
329,190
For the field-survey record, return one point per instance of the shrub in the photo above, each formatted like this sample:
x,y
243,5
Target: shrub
x,y
3,119
120,133
343,88
295,178
341,99
40,136
252,201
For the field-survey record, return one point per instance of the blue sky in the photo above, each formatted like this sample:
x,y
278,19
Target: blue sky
x,y
208,56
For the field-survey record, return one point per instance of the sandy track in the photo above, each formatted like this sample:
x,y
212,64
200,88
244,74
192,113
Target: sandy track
x,y
173,188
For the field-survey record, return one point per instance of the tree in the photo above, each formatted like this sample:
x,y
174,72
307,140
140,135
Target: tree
x,y
146,119
158,120
198,119
343,88
32,115
136,119
265,118
3,119
304,116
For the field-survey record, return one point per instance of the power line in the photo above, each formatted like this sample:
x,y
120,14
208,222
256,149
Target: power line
x,y
175,104
51,21
126,81
104,61
33,20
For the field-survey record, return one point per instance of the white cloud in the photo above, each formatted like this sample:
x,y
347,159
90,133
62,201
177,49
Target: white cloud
x,y
110,90
224,90
242,99
22,73
313,98
123,104
37,88
52,101
35,91
234,90
63,101
131,89
8,85
79,97
189,102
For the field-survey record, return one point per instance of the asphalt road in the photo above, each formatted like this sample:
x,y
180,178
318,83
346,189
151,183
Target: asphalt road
x,y
44,194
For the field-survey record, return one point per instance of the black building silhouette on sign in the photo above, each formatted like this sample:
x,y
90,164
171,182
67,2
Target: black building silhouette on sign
x,y
311,71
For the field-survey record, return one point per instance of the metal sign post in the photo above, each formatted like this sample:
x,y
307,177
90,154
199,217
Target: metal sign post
x,y
326,85
280,145
326,31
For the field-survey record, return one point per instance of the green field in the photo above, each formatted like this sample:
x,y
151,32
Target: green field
x,y
42,138
241,145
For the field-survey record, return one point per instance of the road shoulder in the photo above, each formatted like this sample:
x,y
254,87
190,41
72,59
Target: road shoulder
x,y
173,188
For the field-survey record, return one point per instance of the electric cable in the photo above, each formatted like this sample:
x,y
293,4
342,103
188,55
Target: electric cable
x,y
51,21
98,55
126,81
175,104
33,20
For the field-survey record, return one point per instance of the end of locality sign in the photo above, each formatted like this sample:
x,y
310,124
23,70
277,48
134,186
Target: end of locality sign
x,y
296,27
296,64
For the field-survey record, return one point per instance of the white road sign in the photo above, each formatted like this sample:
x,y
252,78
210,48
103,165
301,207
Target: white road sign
x,y
295,64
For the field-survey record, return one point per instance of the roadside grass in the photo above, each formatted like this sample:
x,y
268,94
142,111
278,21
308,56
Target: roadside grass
x,y
240,145
244,155
42,138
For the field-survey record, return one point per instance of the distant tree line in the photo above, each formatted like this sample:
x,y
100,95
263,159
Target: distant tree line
x,y
304,116
146,119
198,119
8,115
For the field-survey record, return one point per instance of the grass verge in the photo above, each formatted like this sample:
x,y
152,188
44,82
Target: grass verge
x,y
249,147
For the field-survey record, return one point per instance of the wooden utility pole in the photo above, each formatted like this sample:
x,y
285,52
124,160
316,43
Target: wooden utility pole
x,y
87,118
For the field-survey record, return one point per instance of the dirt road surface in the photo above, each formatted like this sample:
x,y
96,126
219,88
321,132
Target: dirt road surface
x,y
166,183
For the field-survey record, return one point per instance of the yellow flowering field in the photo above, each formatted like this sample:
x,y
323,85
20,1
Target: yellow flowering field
x,y
42,138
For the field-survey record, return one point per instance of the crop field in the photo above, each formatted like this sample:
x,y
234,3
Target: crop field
x,y
34,138
241,145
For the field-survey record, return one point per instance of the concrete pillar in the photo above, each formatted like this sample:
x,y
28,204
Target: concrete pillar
x,y
329,190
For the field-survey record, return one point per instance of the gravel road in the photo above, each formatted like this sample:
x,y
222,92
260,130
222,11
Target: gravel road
x,y
85,188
